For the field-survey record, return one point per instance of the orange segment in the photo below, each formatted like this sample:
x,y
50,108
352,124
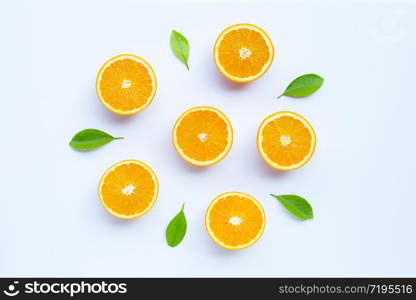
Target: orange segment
x,y
286,140
243,52
202,136
128,189
126,84
235,220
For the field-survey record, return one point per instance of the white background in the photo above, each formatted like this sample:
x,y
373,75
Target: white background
x,y
361,180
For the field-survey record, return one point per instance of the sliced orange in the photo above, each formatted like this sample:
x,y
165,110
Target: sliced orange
x,y
202,136
243,52
286,140
126,84
128,189
235,220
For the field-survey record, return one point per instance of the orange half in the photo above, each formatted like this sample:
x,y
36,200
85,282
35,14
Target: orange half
x,y
128,189
126,84
202,136
286,141
235,220
243,52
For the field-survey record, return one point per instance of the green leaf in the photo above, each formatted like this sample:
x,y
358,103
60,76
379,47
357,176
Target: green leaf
x,y
89,139
297,205
180,47
303,86
175,232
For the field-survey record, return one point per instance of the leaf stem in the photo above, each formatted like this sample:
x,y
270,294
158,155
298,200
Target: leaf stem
x,y
118,138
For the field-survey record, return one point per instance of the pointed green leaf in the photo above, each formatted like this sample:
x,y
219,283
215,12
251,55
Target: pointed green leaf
x,y
303,86
180,47
175,232
297,205
89,139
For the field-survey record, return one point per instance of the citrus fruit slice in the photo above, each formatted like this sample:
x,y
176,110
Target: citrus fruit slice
x,y
126,84
243,52
202,136
286,140
128,189
235,220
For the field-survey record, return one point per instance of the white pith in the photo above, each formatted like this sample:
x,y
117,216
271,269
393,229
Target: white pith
x,y
235,221
285,140
203,137
126,84
128,190
244,53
